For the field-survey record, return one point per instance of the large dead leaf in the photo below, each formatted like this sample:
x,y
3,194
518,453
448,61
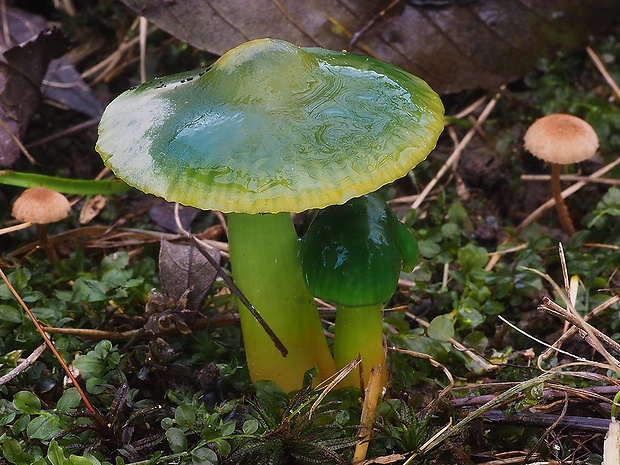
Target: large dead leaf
x,y
466,44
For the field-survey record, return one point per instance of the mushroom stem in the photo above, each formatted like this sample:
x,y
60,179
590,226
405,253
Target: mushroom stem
x,y
563,214
44,242
263,253
359,333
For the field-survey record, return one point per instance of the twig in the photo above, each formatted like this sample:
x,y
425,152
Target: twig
x,y
49,344
565,193
541,420
571,177
27,362
202,248
218,321
550,307
594,393
594,340
559,420
453,159
573,329
64,133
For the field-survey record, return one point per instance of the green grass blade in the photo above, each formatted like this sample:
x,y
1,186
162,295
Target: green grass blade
x,y
63,185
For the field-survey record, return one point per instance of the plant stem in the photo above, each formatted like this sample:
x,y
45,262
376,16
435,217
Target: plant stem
x,y
359,333
263,254
560,205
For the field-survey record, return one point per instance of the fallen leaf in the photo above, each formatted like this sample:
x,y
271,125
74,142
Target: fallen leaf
x,y
31,64
91,208
64,85
162,214
22,68
183,268
453,45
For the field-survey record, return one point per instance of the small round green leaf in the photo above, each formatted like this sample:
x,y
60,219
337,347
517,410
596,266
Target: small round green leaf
x,y
441,328
43,427
69,401
185,416
204,456
26,402
176,439
250,426
11,449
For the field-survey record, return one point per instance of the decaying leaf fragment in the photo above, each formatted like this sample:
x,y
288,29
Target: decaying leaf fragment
x,y
22,68
452,44
183,268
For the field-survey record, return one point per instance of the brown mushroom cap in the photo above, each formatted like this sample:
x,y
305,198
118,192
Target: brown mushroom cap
x,y
41,206
561,138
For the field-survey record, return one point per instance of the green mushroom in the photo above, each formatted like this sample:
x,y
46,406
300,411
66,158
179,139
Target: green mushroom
x,y
270,129
352,256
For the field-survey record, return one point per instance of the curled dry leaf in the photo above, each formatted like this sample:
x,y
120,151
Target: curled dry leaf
x,y
454,45
91,208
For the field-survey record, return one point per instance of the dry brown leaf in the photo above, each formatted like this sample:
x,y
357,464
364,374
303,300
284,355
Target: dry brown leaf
x,y
462,45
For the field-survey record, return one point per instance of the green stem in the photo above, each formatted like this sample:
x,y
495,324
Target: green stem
x,y
359,333
263,255
64,185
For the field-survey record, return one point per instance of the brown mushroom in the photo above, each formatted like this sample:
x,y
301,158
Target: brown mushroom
x,y
41,206
561,139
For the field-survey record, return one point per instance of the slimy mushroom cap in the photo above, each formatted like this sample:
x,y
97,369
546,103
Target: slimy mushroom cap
x,y
271,127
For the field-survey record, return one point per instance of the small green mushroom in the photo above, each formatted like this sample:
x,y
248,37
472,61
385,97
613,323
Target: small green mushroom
x,y
352,256
269,129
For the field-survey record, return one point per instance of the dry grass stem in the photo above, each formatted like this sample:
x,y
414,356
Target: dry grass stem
x,y
535,339
585,328
453,159
499,400
446,390
18,142
469,109
144,24
603,70
594,340
498,254
571,177
572,330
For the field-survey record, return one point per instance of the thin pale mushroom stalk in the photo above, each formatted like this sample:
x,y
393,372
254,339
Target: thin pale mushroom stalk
x,y
560,140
